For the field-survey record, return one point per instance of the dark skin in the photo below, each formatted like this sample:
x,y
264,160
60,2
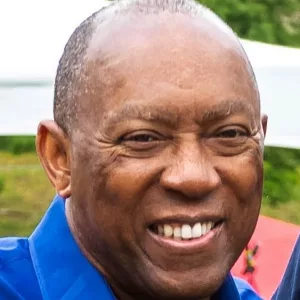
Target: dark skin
x,y
173,128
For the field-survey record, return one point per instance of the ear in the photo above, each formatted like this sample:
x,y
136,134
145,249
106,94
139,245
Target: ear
x,y
54,152
264,123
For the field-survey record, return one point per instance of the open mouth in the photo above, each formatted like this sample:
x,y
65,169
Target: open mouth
x,y
184,232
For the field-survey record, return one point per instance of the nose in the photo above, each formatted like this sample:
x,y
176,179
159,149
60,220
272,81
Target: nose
x,y
190,171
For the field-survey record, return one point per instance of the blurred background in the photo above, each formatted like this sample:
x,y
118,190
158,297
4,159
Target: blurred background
x,y
33,34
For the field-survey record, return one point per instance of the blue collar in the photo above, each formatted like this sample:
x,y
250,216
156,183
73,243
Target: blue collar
x,y
228,290
62,270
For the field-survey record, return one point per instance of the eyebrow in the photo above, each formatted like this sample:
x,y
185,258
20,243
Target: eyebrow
x,y
224,109
150,113
171,118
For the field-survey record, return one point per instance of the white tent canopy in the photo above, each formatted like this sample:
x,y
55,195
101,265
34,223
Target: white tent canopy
x,y
32,41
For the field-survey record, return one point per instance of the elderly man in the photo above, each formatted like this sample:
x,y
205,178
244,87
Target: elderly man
x,y
156,157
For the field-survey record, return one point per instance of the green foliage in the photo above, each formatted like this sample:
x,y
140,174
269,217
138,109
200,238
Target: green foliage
x,y
1,184
270,21
17,144
282,176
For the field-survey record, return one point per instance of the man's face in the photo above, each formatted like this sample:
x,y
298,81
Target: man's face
x,y
166,172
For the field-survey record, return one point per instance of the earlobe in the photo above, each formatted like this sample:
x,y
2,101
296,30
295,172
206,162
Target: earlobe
x,y
53,150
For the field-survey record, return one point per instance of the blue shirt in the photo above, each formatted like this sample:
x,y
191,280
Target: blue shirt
x,y
49,265
289,288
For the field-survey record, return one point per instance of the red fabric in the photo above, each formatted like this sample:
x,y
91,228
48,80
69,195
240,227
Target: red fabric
x,y
276,240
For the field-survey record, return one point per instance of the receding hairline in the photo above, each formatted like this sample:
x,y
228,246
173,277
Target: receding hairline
x,y
67,88
142,8
139,9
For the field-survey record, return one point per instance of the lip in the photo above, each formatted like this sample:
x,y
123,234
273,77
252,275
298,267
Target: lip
x,y
189,246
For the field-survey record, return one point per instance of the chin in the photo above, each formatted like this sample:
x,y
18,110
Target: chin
x,y
184,286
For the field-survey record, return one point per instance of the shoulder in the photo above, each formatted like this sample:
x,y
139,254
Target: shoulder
x,y
12,249
17,276
289,287
245,290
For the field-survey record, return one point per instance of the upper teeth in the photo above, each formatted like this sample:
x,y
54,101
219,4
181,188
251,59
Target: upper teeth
x,y
185,231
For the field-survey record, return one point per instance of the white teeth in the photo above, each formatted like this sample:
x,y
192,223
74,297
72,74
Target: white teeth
x,y
160,230
168,230
209,226
177,232
197,231
186,232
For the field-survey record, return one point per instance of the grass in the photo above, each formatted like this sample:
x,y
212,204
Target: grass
x,y
289,212
26,194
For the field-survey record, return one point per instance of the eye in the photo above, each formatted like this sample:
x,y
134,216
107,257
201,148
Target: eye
x,y
139,138
142,138
232,133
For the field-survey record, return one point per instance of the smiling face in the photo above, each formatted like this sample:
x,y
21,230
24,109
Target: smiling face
x,y
166,164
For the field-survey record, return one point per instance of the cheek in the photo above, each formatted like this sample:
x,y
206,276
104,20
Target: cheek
x,y
244,176
129,179
110,190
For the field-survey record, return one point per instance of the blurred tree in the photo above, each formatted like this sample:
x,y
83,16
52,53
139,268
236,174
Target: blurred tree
x,y
282,176
17,144
270,21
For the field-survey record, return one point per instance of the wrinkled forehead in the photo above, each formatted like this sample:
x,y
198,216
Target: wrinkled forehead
x,y
168,57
